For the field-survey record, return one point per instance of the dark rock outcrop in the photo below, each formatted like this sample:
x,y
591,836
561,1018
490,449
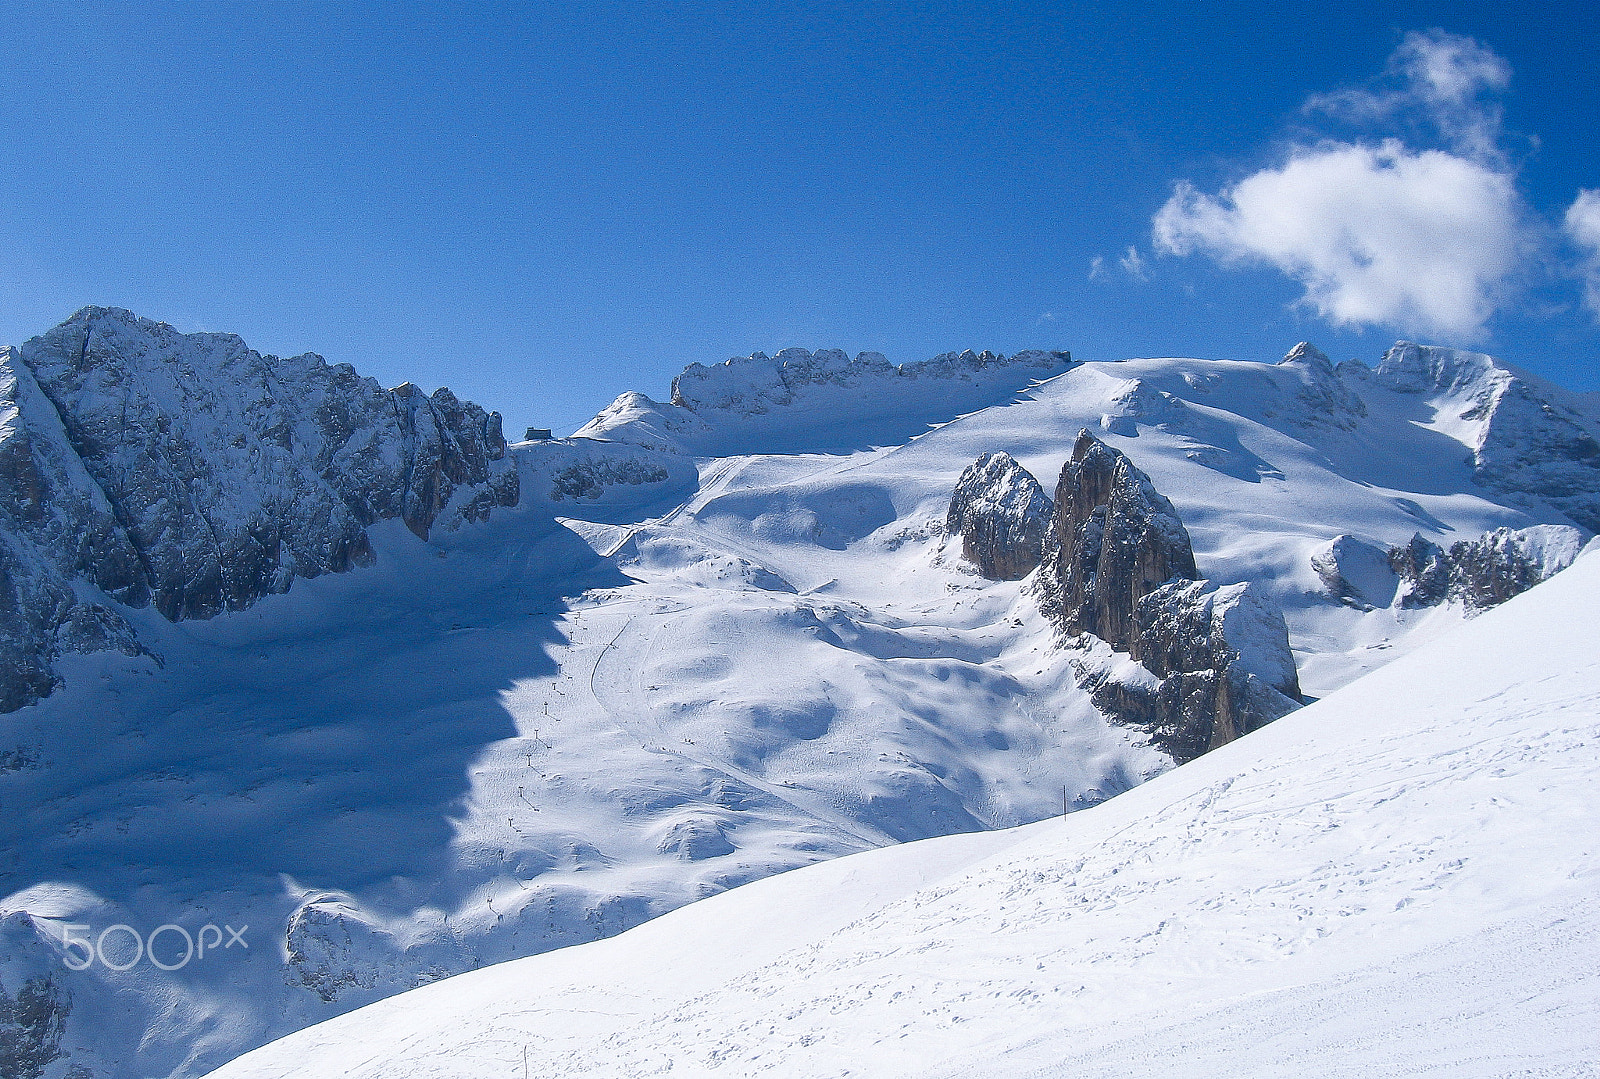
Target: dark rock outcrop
x,y
191,473
1114,539
1212,664
31,1024
1002,516
1483,572
1204,664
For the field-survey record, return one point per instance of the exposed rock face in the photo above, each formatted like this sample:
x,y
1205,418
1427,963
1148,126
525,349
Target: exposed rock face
x,y
1114,540
590,479
1221,665
1002,516
188,472
31,1025
1204,664
1483,572
1527,437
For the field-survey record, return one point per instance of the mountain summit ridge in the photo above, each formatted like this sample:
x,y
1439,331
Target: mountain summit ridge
x,y
201,475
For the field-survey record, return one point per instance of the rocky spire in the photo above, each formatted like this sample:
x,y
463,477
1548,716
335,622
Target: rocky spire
x,y
1114,539
1211,663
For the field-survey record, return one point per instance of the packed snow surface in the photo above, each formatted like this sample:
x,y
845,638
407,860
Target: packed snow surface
x,y
667,673
1398,880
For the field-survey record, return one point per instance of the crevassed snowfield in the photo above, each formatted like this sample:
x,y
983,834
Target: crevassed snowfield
x,y
550,727
1398,880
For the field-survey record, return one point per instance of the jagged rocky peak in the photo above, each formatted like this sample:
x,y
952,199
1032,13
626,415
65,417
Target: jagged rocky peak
x,y
1323,399
1114,539
1408,367
1002,516
1305,354
1530,441
1483,572
193,473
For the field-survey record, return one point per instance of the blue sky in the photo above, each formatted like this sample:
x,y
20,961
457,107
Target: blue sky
x,y
543,206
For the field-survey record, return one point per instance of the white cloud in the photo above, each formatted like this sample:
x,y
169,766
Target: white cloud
x,y
1096,267
1583,229
1420,240
1377,235
1132,264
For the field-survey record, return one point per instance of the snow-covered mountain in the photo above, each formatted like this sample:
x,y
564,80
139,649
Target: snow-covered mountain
x,y
1397,880
661,672
192,474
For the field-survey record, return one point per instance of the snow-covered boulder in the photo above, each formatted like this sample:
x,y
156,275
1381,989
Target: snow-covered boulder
x,y
1356,572
1002,516
1483,572
1114,539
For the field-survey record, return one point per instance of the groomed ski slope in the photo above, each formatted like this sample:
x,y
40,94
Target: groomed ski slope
x,y
1401,879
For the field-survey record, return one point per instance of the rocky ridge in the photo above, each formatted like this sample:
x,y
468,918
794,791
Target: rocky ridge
x,y
758,383
146,467
1476,573
1483,572
751,403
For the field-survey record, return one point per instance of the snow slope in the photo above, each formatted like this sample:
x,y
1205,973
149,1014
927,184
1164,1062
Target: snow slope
x,y
660,676
1397,880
